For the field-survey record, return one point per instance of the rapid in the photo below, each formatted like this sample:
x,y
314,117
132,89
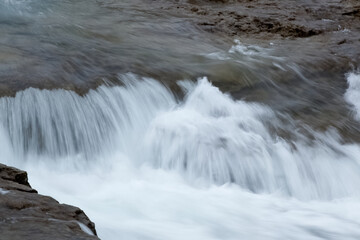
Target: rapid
x,y
154,155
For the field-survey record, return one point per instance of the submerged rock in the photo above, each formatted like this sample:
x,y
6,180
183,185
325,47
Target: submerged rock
x,y
311,24
25,214
168,40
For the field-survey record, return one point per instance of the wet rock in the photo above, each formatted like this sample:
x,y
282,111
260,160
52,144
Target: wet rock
x,y
266,18
24,214
316,32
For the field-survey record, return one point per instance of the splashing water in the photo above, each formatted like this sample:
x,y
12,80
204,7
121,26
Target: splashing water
x,y
352,95
145,165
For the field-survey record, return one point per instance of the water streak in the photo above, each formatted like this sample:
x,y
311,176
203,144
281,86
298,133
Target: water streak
x,y
207,137
352,94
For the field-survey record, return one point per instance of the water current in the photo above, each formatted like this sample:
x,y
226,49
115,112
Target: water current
x,y
115,108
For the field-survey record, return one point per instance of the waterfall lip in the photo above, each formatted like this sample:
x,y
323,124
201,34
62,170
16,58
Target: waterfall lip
x,y
60,122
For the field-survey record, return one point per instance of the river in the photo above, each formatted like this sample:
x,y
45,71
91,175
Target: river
x,y
159,130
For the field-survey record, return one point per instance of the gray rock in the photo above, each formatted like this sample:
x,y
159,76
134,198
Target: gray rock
x,y
25,214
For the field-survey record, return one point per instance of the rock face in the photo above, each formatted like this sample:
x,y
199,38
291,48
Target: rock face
x,y
289,18
25,214
332,25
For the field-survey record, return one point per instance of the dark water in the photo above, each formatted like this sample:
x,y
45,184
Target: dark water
x,y
82,44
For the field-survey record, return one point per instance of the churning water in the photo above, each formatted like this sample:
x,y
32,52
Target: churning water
x,y
145,165
149,160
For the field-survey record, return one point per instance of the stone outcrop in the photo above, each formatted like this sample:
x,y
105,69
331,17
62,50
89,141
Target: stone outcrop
x,y
25,214
301,18
332,25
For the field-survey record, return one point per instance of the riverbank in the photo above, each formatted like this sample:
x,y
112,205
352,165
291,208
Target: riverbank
x,y
25,214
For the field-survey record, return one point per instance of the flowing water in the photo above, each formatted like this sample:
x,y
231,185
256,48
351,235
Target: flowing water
x,y
164,152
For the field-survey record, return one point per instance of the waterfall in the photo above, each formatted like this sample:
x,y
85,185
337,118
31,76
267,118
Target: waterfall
x,y
206,137
59,122
175,156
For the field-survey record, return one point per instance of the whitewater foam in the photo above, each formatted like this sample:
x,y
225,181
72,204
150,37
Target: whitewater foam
x,y
3,192
207,137
144,165
352,94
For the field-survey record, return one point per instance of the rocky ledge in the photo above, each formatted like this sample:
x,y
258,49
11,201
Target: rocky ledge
x,y
313,25
25,214
289,18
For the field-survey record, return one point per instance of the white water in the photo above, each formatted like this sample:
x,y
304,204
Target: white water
x,y
352,95
145,166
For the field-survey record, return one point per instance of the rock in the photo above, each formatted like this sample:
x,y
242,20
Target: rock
x,y
14,175
268,18
25,214
316,35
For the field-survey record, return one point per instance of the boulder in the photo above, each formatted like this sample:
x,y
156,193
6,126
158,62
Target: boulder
x,y
25,214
